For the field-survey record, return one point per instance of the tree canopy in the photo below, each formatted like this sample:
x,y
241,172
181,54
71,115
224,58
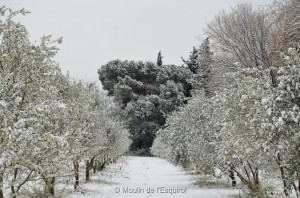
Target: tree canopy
x,y
145,93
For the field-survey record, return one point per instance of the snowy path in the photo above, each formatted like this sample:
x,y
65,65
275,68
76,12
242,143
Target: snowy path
x,y
146,177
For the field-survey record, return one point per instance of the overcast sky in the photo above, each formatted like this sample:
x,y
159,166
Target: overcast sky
x,y
97,31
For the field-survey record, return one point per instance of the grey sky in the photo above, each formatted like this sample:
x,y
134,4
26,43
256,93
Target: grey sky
x,y
97,31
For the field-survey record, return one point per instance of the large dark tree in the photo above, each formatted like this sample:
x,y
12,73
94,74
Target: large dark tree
x,y
146,93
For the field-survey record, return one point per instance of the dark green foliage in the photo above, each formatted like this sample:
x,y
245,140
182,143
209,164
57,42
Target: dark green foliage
x,y
200,63
192,62
159,59
146,92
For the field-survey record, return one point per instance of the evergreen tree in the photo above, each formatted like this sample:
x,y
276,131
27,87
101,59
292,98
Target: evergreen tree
x,y
192,62
145,93
204,69
159,59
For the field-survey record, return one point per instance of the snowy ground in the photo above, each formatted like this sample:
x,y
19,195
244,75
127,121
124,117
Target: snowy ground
x,y
146,177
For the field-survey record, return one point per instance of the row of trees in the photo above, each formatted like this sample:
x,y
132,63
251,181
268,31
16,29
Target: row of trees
x,y
250,129
244,115
49,124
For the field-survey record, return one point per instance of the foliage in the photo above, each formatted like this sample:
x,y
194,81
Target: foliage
x,y
250,128
192,63
159,59
48,121
146,93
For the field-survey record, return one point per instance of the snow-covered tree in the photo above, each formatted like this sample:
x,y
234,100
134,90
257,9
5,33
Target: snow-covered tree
x,y
205,71
240,141
221,131
281,127
248,36
28,90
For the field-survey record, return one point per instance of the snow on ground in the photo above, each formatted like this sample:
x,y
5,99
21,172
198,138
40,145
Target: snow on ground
x,y
146,177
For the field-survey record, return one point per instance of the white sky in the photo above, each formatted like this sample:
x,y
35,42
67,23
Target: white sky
x,y
97,31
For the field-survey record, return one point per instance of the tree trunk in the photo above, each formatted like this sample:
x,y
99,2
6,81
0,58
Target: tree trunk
x,y
299,184
255,175
87,171
50,185
12,187
273,78
281,168
94,167
1,185
92,162
232,177
101,166
296,189
76,171
284,181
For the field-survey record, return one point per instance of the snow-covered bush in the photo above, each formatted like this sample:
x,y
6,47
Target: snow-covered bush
x,y
239,146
